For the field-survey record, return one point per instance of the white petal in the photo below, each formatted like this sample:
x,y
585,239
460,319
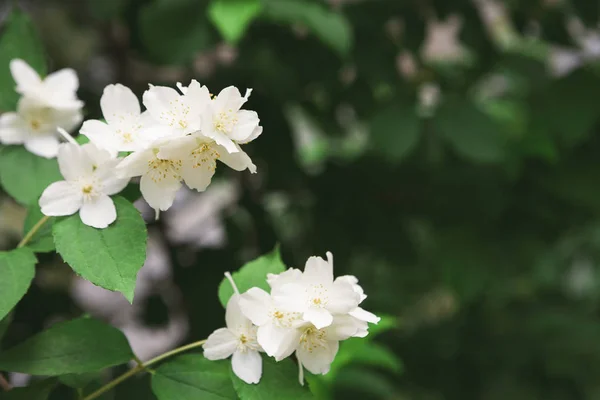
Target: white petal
x,y
247,122
342,298
135,164
247,365
238,161
63,81
365,315
288,276
220,344
73,162
99,213
221,139
229,98
197,178
43,146
278,342
97,155
60,198
198,97
158,100
234,318
290,297
319,359
256,133
255,304
12,129
318,270
67,119
319,317
344,327
159,196
111,183
26,78
101,135
118,100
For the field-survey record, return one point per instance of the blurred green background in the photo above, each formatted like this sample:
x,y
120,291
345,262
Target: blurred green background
x,y
446,152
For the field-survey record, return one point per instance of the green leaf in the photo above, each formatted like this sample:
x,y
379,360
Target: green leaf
x,y
232,17
78,381
38,391
472,133
77,346
110,257
17,269
42,241
4,324
183,31
193,377
24,175
330,27
395,132
252,274
279,381
19,39
360,351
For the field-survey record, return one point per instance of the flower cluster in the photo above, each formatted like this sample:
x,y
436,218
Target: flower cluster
x,y
178,138
307,313
45,104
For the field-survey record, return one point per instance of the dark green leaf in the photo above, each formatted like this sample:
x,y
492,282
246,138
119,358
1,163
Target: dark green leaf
x,y
17,269
252,274
279,381
38,391
110,257
193,377
42,241
77,381
24,175
77,346
19,39
395,132
232,17
4,324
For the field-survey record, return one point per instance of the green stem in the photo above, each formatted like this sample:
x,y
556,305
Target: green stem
x,y
141,367
33,231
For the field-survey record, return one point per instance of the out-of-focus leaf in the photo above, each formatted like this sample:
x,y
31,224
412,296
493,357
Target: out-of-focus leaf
x,y
330,27
395,132
78,381
42,241
4,324
17,268
232,17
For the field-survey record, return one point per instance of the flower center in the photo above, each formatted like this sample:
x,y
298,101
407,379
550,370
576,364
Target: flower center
x,y
284,319
159,169
205,156
313,338
225,121
317,296
35,124
177,115
90,188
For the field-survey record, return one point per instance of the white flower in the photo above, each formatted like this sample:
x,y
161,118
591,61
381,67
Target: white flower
x,y
177,114
161,177
316,295
288,276
359,313
237,339
35,125
89,181
57,90
199,157
225,122
278,332
126,127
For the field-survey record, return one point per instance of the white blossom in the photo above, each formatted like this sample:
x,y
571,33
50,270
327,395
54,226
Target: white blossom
x,y
35,126
316,295
126,127
199,157
226,123
89,182
238,340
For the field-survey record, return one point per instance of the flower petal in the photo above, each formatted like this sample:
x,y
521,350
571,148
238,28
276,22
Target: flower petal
x,y
220,344
198,178
98,213
73,162
342,298
159,195
319,317
238,161
277,341
229,98
101,135
26,78
255,304
111,183
12,129
135,164
60,198
158,100
364,315
247,365
64,81
44,146
318,360
198,97
247,122
318,270
236,321
256,133
290,296
116,101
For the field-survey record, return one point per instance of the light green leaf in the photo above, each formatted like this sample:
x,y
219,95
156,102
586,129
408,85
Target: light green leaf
x,y
252,274
18,39
279,381
472,133
77,346
330,27
232,17
183,31
395,132
24,176
17,269
193,377
38,391
42,241
110,257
